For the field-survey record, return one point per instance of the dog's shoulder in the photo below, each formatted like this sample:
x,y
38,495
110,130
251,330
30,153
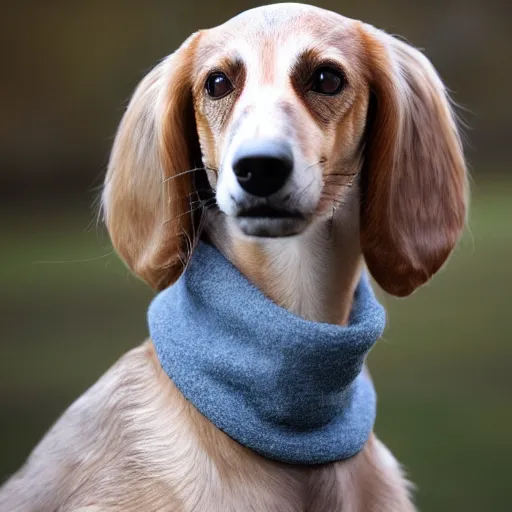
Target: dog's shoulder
x,y
101,445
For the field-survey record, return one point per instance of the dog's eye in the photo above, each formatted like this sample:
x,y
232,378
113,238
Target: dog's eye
x,y
328,81
218,85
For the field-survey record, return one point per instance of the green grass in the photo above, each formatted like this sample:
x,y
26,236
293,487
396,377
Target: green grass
x,y
442,370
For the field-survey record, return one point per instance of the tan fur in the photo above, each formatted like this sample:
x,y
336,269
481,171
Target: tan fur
x,y
385,162
132,443
147,228
414,206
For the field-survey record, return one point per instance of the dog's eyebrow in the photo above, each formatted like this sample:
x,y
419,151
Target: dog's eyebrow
x,y
227,62
213,51
308,60
232,65
304,64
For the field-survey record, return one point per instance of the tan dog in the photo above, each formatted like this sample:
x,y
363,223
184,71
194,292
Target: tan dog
x,y
308,124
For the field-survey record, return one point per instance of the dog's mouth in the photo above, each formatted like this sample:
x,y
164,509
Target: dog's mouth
x,y
269,221
269,212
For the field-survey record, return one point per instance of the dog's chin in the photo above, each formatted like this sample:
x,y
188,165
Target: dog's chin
x,y
271,227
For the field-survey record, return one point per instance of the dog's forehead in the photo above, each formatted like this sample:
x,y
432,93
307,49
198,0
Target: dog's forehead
x,y
281,16
295,25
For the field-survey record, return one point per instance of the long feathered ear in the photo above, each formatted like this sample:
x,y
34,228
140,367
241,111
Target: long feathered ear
x,y
147,193
414,186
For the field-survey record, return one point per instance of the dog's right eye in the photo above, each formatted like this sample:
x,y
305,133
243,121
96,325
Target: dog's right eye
x,y
327,81
218,85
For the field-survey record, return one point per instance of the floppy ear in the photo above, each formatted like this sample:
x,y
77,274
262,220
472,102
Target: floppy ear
x,y
146,201
414,188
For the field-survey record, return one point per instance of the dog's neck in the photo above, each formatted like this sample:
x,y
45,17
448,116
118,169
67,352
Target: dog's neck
x,y
313,275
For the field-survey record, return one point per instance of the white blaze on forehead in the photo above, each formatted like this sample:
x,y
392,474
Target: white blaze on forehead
x,y
275,14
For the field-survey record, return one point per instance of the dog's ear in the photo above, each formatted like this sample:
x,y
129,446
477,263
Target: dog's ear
x,y
414,186
147,193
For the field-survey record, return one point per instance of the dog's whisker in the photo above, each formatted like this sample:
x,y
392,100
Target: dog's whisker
x,y
214,169
321,161
338,174
331,197
195,169
301,193
205,203
349,184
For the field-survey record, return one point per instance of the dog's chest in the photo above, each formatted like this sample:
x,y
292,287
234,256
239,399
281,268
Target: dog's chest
x,y
213,473
265,489
202,469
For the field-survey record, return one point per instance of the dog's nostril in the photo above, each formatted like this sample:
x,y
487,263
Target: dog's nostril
x,y
263,167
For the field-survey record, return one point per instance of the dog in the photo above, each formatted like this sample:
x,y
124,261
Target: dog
x,y
305,147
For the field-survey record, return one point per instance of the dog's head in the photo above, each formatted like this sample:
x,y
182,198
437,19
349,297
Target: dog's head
x,y
277,113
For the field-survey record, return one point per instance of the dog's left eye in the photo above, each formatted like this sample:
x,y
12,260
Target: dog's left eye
x,y
328,81
218,85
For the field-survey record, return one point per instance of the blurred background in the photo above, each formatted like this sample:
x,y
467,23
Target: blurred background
x,y
69,308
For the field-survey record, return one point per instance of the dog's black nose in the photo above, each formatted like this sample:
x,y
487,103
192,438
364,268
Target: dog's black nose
x,y
262,166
